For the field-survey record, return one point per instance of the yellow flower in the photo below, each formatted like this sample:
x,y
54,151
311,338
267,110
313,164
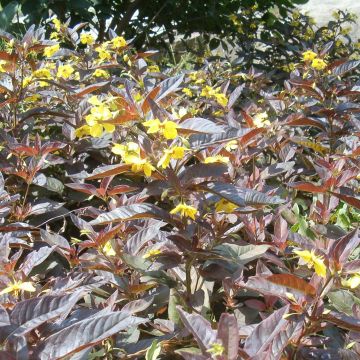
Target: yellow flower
x,y
176,152
225,206
261,119
101,73
153,68
2,63
42,73
216,159
318,64
16,286
108,249
138,164
84,130
57,23
167,128
221,99
26,81
104,54
353,282
207,91
187,91
184,210
216,349
312,260
55,36
231,145
130,154
49,51
309,55
152,253
64,71
118,42
87,39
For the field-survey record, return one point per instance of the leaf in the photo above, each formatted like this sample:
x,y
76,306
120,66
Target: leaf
x,y
89,89
242,197
308,187
277,169
109,170
228,333
292,282
136,306
54,239
343,321
153,351
266,331
168,86
131,212
35,258
200,328
306,122
134,243
265,287
7,14
84,333
45,207
343,301
345,246
200,126
84,188
351,200
235,95
241,254
204,140
30,314
200,170
346,67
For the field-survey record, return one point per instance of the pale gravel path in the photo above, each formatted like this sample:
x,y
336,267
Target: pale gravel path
x,y
321,11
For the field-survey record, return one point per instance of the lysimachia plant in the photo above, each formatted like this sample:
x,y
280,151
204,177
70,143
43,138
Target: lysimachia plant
x,y
150,213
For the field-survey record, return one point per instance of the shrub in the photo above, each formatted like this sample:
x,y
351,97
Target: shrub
x,y
151,213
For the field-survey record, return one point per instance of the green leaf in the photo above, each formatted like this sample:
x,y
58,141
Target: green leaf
x,y
343,301
153,351
7,14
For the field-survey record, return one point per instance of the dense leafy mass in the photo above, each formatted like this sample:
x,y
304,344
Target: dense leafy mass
x,y
149,23
199,214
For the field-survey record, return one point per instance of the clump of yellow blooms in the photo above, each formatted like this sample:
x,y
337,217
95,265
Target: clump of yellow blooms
x,y
316,62
87,39
17,286
152,253
216,349
167,128
184,210
131,155
65,71
96,120
216,159
261,119
216,94
226,206
153,68
118,42
312,261
176,152
108,250
187,92
101,73
49,51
